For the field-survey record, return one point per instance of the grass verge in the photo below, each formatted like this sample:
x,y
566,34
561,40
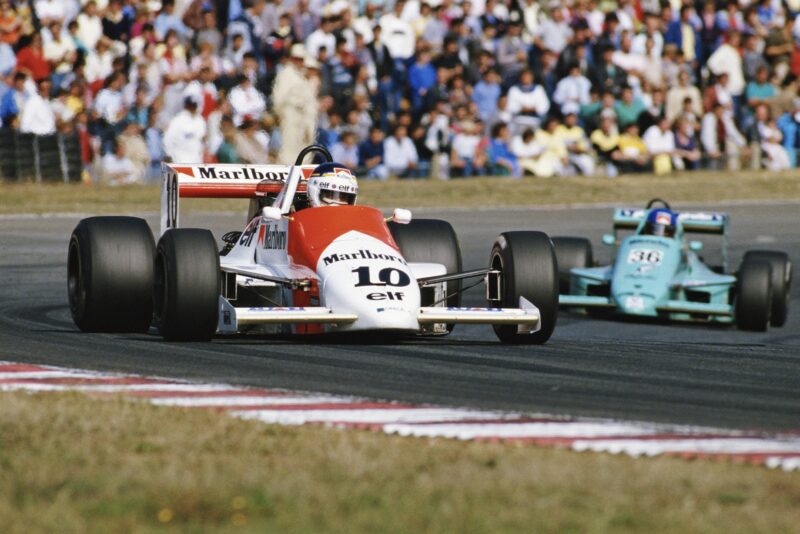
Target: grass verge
x,y
69,463
475,192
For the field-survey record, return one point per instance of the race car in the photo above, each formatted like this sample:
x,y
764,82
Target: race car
x,y
657,273
302,265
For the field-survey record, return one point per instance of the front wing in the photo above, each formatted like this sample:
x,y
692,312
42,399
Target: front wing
x,y
671,306
526,317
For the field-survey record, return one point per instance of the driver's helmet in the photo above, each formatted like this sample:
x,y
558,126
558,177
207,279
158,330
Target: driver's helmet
x,y
332,184
661,222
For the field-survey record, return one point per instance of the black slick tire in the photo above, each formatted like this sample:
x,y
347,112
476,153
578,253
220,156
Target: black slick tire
x,y
431,241
781,281
571,253
187,285
110,274
754,296
528,268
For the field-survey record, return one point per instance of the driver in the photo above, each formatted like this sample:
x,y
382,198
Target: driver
x,y
661,223
332,184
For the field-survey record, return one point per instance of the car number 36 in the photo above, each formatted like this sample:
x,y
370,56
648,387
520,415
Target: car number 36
x,y
647,256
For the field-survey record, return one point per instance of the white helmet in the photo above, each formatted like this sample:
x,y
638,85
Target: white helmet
x,y
332,184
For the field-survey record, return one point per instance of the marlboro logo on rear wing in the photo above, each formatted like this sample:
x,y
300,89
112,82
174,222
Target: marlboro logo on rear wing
x,y
219,181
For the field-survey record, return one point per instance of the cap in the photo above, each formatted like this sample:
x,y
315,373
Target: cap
x,y
297,51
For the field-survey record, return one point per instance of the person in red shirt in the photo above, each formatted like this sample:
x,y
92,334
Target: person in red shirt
x,y
30,59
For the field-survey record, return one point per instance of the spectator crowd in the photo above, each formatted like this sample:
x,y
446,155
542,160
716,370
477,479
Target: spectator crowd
x,y
409,88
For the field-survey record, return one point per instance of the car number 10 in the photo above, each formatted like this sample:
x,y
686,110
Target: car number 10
x,y
647,256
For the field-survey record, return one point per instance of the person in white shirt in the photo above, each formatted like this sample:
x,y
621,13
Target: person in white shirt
x,y
184,139
721,140
118,169
38,117
527,101
99,61
660,142
322,37
572,91
60,50
398,35
399,153
727,60
464,156
245,99
109,102
50,11
90,26
659,138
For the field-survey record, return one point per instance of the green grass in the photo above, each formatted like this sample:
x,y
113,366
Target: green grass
x,y
69,463
699,186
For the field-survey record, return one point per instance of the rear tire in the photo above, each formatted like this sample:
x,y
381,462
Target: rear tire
x,y
781,281
110,274
187,285
431,241
528,267
754,299
571,253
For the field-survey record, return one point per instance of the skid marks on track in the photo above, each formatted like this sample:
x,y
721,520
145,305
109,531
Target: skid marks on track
x,y
637,439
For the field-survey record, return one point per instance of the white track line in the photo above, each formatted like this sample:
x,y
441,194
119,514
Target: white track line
x,y
245,400
523,430
698,446
115,388
365,416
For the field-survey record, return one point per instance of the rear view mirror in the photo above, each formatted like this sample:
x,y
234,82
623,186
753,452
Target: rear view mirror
x,y
401,216
695,246
609,240
272,213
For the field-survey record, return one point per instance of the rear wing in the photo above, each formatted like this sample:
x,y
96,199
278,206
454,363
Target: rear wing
x,y
220,181
692,222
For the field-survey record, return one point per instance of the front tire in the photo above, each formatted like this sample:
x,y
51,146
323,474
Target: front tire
x,y
781,281
571,253
187,285
528,268
110,274
754,299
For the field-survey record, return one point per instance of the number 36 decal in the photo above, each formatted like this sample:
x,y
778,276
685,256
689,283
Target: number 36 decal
x,y
647,256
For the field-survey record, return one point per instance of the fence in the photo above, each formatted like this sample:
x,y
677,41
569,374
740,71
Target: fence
x,y
47,158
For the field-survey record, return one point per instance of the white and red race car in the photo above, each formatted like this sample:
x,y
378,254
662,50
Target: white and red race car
x,y
296,269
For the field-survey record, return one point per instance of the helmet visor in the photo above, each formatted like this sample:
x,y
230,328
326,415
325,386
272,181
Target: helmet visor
x,y
336,198
660,230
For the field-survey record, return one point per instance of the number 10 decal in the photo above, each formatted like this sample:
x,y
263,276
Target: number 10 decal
x,y
388,276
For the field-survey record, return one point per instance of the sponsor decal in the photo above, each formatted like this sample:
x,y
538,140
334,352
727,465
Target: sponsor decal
x,y
274,239
389,295
700,216
281,309
461,309
634,303
647,256
242,173
386,277
361,255
247,236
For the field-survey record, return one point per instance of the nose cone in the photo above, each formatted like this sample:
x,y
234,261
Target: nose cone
x,y
362,275
636,304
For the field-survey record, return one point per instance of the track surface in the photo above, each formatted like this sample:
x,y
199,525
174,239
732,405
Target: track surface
x,y
665,373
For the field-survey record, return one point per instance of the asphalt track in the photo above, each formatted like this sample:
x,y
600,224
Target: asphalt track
x,y
684,374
